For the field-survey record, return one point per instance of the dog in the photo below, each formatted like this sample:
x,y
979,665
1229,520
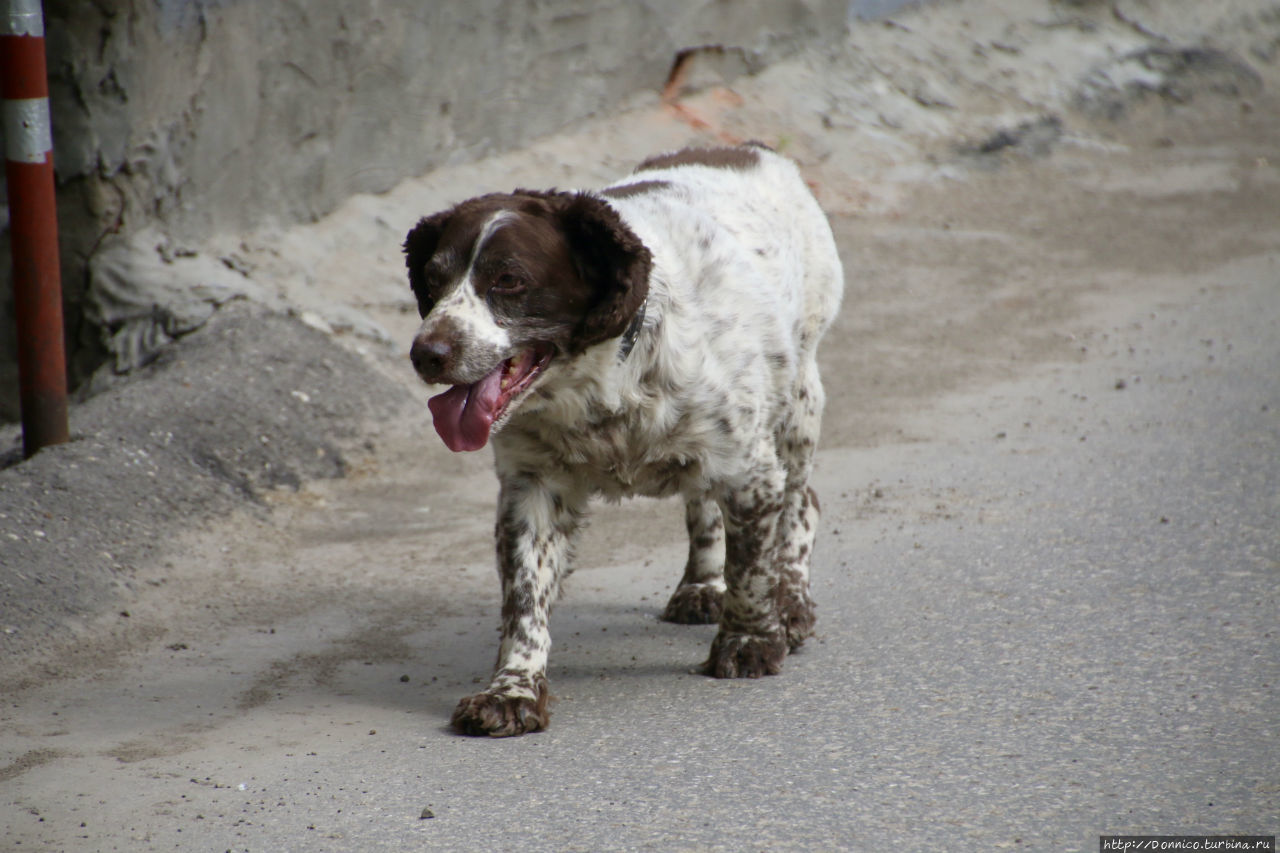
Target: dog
x,y
655,337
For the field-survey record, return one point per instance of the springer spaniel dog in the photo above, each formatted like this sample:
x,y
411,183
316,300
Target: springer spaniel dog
x,y
655,337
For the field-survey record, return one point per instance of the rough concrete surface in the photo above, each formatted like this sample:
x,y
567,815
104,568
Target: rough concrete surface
x,y
1047,578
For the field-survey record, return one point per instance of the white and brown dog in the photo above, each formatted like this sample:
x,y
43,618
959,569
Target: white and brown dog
x,y
656,337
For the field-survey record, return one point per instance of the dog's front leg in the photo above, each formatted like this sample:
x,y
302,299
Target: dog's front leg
x,y
700,596
536,525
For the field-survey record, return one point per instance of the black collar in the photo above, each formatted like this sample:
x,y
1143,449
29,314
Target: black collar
x,y
632,332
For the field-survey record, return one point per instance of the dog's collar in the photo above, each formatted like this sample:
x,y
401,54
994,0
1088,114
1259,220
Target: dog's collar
x,y
632,332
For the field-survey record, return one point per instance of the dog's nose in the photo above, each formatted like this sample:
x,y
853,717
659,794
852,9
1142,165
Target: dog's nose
x,y
431,358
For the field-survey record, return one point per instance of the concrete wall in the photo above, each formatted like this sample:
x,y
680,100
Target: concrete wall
x,y
201,116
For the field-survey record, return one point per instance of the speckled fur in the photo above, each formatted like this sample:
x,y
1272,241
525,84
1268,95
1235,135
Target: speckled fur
x,y
719,402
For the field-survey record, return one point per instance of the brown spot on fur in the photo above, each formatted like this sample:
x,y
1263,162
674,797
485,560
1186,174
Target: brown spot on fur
x,y
740,157
638,188
706,540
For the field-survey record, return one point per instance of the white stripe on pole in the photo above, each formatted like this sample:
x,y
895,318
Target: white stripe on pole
x,y
27,138
22,18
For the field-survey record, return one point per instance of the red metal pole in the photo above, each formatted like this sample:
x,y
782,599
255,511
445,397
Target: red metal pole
x,y
33,225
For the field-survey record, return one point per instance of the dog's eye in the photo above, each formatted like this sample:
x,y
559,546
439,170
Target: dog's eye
x,y
507,284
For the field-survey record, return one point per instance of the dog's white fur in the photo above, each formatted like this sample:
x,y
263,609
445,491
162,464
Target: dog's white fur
x,y
744,267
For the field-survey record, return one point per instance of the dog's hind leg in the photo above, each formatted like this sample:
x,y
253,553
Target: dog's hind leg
x,y
700,595
798,526
796,531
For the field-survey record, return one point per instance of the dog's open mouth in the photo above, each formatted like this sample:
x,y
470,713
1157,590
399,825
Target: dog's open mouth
x,y
465,414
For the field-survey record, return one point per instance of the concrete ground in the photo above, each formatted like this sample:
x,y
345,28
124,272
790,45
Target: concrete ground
x,y
1048,573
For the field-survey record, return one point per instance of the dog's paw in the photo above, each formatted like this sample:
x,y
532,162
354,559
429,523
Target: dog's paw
x,y
695,604
502,715
738,655
796,611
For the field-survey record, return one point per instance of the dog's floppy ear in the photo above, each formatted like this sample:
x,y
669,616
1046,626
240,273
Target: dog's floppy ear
x,y
419,246
613,263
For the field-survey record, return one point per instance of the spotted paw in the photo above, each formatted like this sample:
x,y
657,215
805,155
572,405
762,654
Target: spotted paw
x,y
501,715
737,655
695,604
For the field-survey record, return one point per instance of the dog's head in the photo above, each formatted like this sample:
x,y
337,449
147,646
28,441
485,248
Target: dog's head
x,y
506,284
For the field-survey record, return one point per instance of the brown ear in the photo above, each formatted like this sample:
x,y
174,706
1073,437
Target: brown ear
x,y
612,261
419,246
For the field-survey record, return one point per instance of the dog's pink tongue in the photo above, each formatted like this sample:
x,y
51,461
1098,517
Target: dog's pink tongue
x,y
464,414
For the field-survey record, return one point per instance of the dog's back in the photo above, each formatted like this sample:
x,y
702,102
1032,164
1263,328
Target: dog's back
x,y
707,210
